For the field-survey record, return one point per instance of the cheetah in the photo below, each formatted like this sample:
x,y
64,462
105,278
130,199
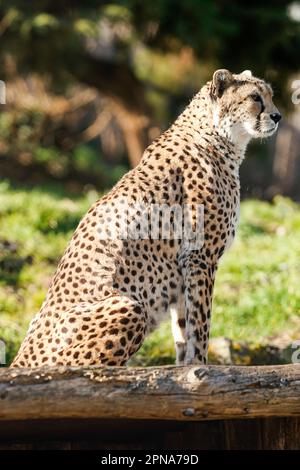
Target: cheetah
x,y
110,291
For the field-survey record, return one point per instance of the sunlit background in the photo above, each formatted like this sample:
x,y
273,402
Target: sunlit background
x,y
88,86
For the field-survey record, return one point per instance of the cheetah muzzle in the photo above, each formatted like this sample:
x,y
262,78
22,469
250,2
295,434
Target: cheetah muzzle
x,y
110,291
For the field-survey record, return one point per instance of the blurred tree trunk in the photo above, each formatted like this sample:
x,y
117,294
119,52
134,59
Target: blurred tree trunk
x,y
286,163
127,94
134,128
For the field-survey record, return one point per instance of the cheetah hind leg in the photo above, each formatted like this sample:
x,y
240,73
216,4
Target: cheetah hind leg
x,y
105,333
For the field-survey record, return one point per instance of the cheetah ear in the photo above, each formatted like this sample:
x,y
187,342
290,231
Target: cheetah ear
x,y
247,74
222,79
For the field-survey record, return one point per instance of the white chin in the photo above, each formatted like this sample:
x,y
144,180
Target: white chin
x,y
261,133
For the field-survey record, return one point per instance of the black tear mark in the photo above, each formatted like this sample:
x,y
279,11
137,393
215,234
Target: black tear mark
x,y
262,108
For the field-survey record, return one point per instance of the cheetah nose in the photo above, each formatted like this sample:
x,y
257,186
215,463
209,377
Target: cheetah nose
x,y
275,117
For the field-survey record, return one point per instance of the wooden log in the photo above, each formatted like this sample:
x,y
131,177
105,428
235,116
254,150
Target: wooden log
x,y
160,393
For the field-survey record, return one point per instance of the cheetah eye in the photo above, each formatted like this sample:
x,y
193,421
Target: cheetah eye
x,y
256,97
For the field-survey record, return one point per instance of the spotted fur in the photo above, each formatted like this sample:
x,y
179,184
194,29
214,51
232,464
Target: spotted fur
x,y
108,294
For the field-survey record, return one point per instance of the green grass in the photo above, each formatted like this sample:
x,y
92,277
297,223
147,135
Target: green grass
x,y
257,294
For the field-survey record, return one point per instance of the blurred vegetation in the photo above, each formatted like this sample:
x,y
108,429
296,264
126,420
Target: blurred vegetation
x,y
143,62
262,34
34,229
256,295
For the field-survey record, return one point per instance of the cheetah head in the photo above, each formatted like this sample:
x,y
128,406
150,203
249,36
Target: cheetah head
x,y
243,106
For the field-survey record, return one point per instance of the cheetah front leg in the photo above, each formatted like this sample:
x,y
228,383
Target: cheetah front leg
x,y
178,331
199,281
